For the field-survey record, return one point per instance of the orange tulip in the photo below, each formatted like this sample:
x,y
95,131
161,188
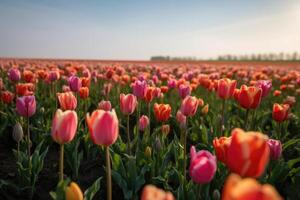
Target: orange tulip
x,y
225,88
162,112
67,101
73,192
149,94
248,189
276,93
221,147
249,97
24,89
84,92
150,192
280,112
248,153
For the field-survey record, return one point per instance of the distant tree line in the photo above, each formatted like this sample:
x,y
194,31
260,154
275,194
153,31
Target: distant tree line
x,y
231,57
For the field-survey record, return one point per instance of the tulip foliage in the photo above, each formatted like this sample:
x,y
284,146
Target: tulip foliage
x,y
145,130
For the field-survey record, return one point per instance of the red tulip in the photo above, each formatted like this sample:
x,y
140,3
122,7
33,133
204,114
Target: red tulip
x,y
64,126
189,106
226,88
103,127
280,112
84,92
162,112
128,103
150,91
67,101
7,97
248,153
249,97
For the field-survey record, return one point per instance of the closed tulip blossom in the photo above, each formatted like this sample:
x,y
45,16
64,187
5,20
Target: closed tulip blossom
x,y
84,92
181,119
221,146
203,166
189,106
275,149
14,74
74,83
265,85
184,90
248,153
104,105
67,101
128,103
236,188
249,97
172,83
225,88
103,127
26,106
143,122
7,97
73,192
150,92
162,112
139,88
64,126
280,112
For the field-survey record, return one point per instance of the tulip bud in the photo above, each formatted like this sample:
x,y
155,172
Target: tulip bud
x,y
104,105
73,192
148,152
165,129
157,145
216,195
275,149
143,122
42,110
18,132
205,109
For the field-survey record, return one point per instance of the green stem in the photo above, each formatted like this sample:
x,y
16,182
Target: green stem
x,y
61,163
222,117
199,188
246,120
18,151
128,137
184,158
108,175
149,117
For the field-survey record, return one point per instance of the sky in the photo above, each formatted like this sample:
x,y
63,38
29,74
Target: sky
x,y
139,29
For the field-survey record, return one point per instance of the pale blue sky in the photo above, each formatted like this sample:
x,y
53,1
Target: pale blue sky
x,y
125,29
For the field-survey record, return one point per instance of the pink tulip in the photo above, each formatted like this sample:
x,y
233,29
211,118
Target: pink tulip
x,y
127,103
139,88
14,74
64,126
189,106
265,85
74,83
172,83
26,106
104,105
181,119
275,149
143,122
103,127
53,75
203,166
184,90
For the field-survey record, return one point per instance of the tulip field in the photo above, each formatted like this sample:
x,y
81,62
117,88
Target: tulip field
x,y
88,129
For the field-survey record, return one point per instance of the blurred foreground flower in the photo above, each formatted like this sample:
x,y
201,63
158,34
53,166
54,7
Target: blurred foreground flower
x,y
150,192
73,192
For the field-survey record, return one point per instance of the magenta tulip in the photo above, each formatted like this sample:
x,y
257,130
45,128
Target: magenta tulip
x,y
184,90
14,74
74,83
275,149
203,166
139,88
26,106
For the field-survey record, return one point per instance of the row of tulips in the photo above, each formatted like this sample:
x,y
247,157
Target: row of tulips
x,y
239,156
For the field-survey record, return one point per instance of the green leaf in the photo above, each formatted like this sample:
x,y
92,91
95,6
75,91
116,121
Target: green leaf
x,y
92,190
